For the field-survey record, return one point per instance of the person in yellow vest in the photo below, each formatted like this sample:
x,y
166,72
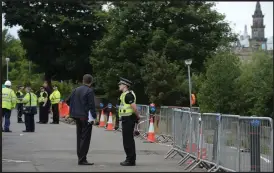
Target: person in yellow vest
x,y
29,109
129,115
43,110
55,98
9,100
20,96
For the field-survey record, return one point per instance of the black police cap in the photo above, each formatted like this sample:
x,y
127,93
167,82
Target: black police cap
x,y
125,81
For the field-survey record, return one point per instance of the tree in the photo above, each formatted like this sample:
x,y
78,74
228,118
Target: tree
x,y
256,86
176,30
218,92
57,36
11,48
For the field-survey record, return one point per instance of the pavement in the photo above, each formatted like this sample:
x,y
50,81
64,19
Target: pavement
x,y
53,148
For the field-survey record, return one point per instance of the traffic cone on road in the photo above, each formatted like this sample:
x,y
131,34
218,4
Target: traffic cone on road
x,y
102,119
110,124
151,133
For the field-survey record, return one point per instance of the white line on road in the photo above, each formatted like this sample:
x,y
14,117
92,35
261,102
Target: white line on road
x,y
263,158
16,161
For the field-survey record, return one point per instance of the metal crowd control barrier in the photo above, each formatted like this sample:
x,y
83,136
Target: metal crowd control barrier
x,y
256,144
143,124
222,142
164,132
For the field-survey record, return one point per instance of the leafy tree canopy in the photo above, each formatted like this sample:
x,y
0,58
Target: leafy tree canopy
x,y
173,30
57,36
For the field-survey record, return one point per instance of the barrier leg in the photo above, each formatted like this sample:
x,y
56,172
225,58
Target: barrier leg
x,y
197,164
213,167
174,155
184,160
169,153
188,166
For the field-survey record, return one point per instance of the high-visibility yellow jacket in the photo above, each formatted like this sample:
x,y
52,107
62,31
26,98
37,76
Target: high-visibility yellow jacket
x,y
9,98
42,99
55,97
125,109
20,96
30,99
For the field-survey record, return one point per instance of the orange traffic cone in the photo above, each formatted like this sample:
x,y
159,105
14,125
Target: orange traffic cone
x,y
110,124
102,119
151,133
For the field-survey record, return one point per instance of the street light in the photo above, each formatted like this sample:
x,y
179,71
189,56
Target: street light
x,y
188,62
7,60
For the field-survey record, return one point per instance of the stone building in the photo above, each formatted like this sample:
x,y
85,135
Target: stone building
x,y
246,45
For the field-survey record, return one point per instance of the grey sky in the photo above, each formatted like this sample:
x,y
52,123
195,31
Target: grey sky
x,y
237,13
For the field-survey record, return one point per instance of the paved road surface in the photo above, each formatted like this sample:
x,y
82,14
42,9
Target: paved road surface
x,y
53,148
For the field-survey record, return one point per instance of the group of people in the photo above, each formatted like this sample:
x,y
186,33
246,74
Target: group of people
x,y
27,103
82,109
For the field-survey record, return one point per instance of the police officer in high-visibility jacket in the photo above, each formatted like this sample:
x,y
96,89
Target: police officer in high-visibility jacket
x,y
55,98
129,116
20,96
43,110
29,109
8,103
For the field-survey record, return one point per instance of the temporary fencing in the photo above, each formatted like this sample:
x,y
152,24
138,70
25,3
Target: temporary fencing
x,y
143,124
221,142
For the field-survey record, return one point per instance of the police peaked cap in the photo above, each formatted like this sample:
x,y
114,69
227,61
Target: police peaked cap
x,y
125,81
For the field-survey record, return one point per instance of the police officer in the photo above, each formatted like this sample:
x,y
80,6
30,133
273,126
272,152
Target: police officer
x,y
8,103
29,109
20,96
43,111
55,98
129,116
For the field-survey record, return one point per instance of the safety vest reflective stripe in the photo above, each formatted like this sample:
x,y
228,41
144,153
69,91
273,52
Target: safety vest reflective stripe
x,y
125,109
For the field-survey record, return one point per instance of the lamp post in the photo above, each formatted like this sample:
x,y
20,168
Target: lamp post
x,y
188,62
7,60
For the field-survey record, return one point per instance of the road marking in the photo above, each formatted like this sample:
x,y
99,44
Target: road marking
x,y
263,158
16,161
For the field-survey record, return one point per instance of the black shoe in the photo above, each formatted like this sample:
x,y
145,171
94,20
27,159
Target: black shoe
x,y
8,130
128,163
85,163
26,131
20,121
43,122
53,123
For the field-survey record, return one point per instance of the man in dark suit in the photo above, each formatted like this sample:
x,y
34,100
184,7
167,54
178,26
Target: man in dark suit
x,y
82,104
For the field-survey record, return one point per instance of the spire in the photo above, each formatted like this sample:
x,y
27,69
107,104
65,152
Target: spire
x,y
245,32
258,10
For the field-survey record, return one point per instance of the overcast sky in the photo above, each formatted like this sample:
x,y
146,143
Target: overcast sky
x,y
238,14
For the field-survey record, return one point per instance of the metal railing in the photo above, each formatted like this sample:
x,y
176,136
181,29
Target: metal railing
x,y
222,142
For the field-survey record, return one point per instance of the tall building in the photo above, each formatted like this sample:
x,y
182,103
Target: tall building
x,y
258,39
246,44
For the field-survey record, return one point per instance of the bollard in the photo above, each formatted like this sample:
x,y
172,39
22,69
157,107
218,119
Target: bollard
x,y
255,146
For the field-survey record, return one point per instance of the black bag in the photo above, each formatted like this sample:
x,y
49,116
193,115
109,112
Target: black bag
x,y
30,109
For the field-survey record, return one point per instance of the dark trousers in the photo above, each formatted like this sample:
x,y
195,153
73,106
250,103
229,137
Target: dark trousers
x,y
128,124
19,112
117,120
6,114
29,122
83,132
43,113
55,112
